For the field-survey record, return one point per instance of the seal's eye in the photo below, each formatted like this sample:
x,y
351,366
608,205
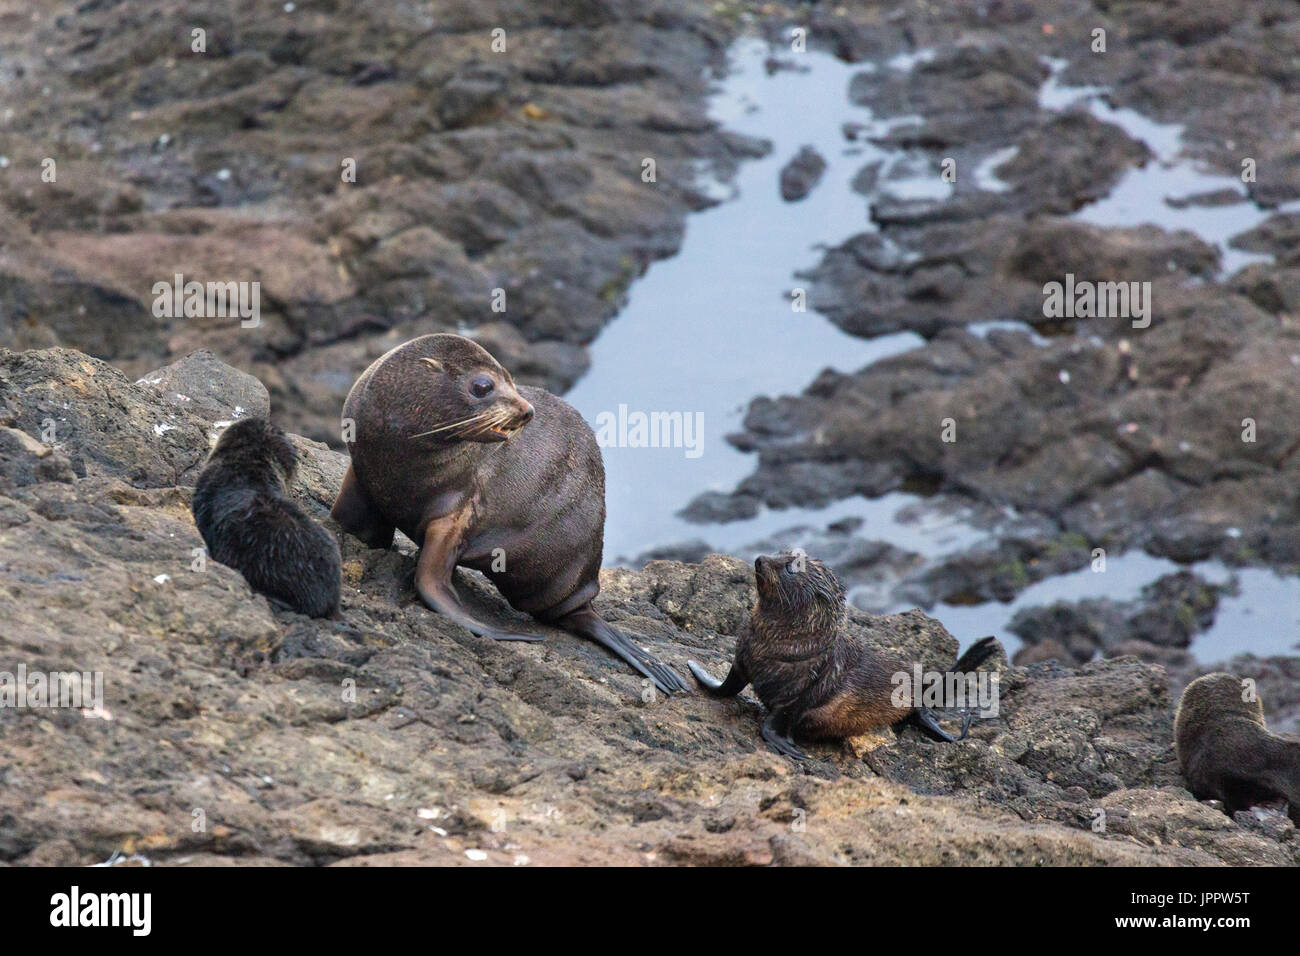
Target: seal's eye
x,y
481,386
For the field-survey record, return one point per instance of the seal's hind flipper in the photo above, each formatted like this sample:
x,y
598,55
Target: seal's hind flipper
x,y
977,654
924,720
354,511
779,741
733,685
585,622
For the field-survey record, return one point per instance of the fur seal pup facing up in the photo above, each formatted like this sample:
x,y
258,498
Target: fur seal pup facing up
x,y
1226,751
441,451
248,522
815,680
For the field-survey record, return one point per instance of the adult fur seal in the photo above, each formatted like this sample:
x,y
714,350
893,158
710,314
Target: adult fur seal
x,y
441,451
1226,751
815,680
249,523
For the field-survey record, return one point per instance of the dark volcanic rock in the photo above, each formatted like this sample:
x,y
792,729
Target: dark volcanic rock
x,y
997,573
1113,434
969,93
252,721
207,387
1123,438
388,735
1169,613
1069,161
379,173
101,421
801,174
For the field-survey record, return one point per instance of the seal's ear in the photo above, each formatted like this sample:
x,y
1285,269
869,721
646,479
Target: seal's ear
x,y
433,364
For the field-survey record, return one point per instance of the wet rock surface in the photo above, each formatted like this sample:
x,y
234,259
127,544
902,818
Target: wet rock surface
x,y
801,174
387,735
1103,432
1158,625
231,732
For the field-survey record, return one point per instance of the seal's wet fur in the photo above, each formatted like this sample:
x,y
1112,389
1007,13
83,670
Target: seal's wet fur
x,y
506,480
242,510
1227,752
816,680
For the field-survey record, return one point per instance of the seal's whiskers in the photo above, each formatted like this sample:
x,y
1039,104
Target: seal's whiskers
x,y
464,422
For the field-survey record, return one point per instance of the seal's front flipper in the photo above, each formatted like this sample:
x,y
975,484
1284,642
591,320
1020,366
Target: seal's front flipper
x,y
585,622
779,741
354,511
923,718
433,581
733,685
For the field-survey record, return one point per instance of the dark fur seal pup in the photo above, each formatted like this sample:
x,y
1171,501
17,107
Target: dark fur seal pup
x,y
248,522
1226,751
815,680
441,451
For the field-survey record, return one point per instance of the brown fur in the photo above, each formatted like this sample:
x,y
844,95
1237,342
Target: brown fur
x,y
477,480
1226,751
816,680
801,661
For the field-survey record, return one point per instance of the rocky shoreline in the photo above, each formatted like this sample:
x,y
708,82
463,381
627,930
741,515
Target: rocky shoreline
x,y
1175,439
236,733
388,735
525,176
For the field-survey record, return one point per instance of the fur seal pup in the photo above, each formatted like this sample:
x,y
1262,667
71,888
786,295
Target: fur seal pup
x,y
815,680
441,451
1226,751
248,522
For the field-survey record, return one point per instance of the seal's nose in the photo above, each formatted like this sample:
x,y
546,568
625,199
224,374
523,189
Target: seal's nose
x,y
527,416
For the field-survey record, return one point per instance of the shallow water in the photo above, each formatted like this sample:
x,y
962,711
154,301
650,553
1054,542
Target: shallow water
x,y
1263,616
712,327
1142,195
707,330
899,518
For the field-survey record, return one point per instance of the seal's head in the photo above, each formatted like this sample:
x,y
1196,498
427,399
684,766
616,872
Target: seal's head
x,y
1213,697
473,397
254,444
793,587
